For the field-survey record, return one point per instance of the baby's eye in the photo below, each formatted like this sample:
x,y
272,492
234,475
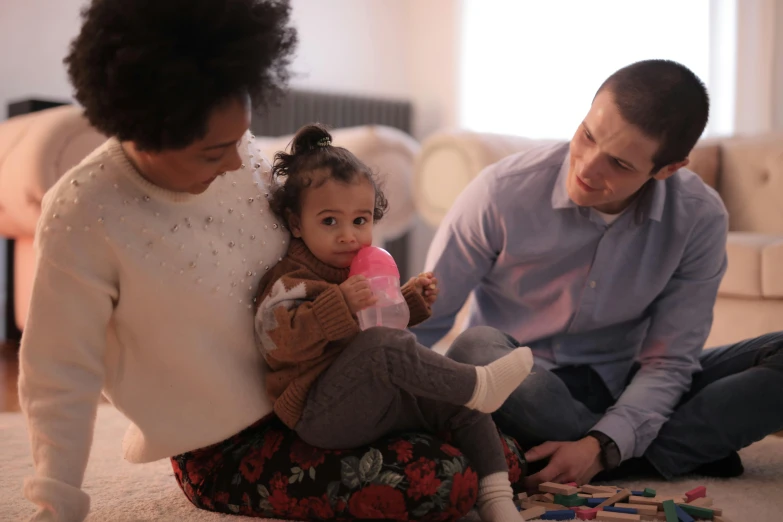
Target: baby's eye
x,y
330,221
360,221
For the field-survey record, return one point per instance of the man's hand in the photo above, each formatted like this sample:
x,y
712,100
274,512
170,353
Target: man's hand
x,y
570,462
427,285
357,293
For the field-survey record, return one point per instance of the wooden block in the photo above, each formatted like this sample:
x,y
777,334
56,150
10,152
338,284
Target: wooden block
x,y
547,505
584,495
534,512
682,516
611,515
587,488
585,513
670,510
696,511
570,500
620,496
643,509
649,492
695,493
721,518
653,501
522,495
701,502
551,487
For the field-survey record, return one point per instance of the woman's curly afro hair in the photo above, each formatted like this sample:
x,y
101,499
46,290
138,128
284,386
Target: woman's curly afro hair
x,y
152,71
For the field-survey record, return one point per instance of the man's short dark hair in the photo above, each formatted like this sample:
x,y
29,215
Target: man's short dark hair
x,y
668,103
152,71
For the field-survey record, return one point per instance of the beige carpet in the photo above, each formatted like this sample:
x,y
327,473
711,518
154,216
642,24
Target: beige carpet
x,y
125,492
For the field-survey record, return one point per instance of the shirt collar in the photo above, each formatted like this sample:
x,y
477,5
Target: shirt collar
x,y
560,198
649,205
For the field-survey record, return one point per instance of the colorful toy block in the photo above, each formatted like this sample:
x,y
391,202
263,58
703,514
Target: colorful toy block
x,y
649,492
696,511
616,509
695,493
563,514
670,510
570,500
682,515
532,513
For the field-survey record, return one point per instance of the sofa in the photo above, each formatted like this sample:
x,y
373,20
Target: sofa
x,y
37,148
746,171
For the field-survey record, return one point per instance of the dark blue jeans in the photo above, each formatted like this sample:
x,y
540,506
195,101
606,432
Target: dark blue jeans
x,y
735,400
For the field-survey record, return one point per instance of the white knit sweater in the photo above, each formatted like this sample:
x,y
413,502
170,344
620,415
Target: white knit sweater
x,y
146,295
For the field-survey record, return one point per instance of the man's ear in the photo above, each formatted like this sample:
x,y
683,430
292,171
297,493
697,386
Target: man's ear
x,y
670,169
294,224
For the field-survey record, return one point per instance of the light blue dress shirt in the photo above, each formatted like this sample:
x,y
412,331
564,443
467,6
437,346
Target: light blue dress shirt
x,y
578,291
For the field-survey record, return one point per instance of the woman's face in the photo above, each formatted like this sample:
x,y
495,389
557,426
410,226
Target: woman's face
x,y
193,168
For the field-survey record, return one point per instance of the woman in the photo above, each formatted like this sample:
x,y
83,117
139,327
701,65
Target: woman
x,y
149,253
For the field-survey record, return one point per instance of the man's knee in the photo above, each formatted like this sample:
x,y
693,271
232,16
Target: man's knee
x,y
480,345
771,354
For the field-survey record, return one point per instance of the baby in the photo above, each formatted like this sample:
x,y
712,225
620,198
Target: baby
x,y
339,387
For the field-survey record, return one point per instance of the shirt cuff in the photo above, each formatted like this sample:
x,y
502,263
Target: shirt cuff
x,y
621,432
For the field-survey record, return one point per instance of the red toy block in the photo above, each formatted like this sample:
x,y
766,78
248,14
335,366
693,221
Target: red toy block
x,y
586,514
695,493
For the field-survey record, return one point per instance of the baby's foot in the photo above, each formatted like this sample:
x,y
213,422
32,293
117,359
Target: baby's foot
x,y
497,380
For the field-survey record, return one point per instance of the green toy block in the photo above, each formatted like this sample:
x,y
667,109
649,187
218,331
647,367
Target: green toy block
x,y
649,492
698,512
670,511
570,500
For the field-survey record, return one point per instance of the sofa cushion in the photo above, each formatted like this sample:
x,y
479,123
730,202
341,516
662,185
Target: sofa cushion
x,y
35,151
751,182
754,270
705,161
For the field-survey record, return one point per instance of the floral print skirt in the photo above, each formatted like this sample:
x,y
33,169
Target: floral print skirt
x,y
266,470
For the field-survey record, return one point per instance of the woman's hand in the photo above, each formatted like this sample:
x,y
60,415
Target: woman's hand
x,y
357,293
427,285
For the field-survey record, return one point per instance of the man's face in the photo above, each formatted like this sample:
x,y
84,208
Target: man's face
x,y
610,159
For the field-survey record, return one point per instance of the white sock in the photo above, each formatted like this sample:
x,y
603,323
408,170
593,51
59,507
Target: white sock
x,y
496,499
496,381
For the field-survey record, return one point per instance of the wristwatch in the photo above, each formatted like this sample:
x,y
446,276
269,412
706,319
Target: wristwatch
x,y
610,453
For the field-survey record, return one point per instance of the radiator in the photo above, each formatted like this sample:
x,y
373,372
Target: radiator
x,y
300,107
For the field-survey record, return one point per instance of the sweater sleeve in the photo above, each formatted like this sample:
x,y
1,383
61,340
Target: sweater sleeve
x,y
420,310
299,315
62,363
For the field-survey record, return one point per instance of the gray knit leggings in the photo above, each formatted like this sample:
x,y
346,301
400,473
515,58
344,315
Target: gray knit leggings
x,y
385,382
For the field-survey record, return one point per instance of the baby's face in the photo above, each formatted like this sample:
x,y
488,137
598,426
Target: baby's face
x,y
336,220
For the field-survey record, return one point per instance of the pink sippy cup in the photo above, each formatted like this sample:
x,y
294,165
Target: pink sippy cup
x,y
378,266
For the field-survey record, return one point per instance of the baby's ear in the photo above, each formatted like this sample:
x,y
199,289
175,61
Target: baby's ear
x,y
294,224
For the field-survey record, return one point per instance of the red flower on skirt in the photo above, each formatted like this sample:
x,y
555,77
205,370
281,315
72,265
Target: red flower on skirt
x,y
252,464
404,450
464,491
278,481
280,502
272,441
305,455
450,450
378,501
421,475
317,507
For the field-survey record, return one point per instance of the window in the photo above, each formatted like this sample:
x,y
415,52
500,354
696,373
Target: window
x,y
532,67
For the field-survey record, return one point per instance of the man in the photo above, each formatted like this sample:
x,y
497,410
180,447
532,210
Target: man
x,y
604,255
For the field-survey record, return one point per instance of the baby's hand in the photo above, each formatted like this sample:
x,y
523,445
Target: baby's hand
x,y
427,285
357,293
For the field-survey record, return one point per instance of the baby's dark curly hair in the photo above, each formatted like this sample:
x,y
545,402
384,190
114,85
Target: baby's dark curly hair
x,y
310,150
152,71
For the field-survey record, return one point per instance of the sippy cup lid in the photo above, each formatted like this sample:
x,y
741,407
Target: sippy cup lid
x,y
372,261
